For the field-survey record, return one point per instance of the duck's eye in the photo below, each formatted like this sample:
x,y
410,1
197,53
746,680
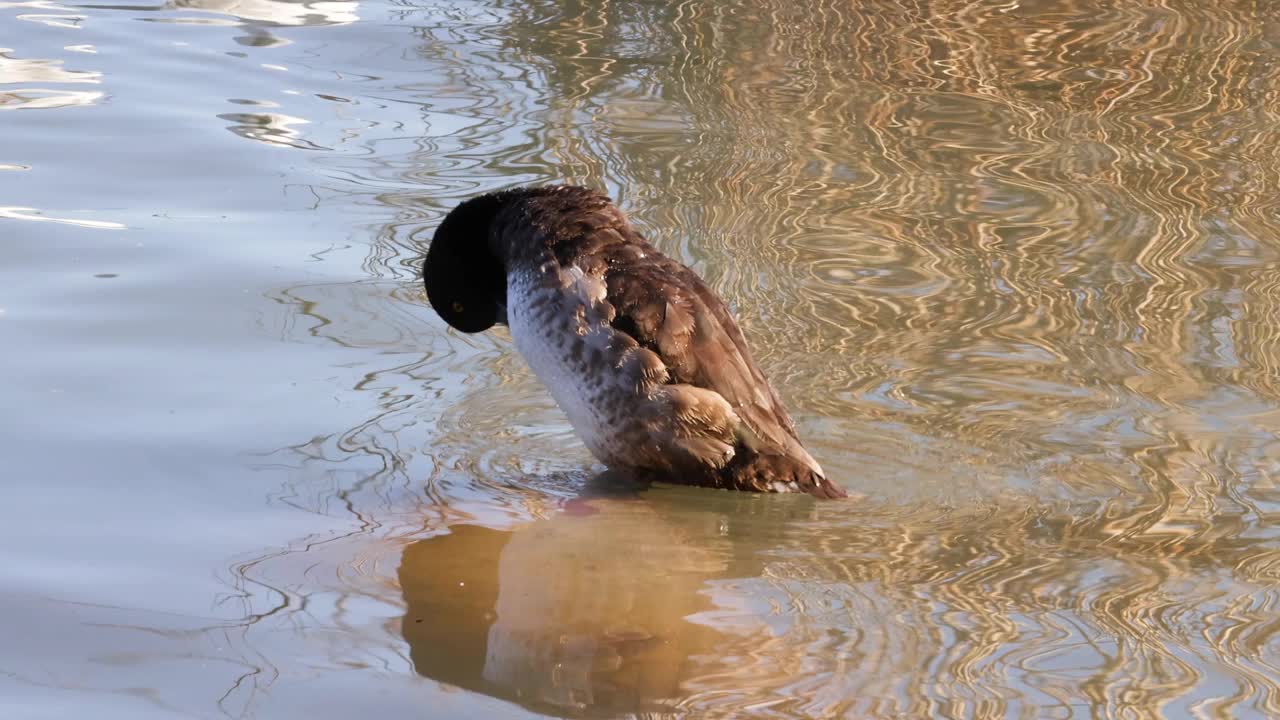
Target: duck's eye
x,y
457,307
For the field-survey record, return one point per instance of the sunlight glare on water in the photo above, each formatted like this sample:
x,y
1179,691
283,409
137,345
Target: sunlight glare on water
x,y
1013,266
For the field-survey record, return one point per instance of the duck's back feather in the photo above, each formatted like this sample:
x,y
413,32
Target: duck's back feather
x,y
730,423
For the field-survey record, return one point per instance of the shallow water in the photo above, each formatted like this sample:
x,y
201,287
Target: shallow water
x,y
1013,266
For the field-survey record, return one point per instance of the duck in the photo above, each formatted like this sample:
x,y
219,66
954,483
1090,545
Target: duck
x,y
643,357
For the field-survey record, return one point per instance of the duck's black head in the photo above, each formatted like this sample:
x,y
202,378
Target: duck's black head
x,y
466,267
466,281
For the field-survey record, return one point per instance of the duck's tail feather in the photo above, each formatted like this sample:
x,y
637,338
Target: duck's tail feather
x,y
762,472
823,489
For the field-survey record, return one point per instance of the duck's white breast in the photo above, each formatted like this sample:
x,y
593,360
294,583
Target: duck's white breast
x,y
555,327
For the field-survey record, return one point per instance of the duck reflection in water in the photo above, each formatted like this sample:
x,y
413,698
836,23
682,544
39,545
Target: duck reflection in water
x,y
592,611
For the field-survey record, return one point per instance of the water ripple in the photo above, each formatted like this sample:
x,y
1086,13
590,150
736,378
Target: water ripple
x,y
1012,264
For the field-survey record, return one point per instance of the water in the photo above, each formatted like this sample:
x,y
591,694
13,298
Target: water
x,y
1012,265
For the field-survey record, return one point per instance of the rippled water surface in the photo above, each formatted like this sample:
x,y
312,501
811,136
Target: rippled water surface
x,y
1015,266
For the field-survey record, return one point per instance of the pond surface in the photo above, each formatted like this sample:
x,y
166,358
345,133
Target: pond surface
x,y
1013,265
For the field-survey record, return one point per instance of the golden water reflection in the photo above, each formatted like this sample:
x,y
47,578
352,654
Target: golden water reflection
x,y
671,602
586,610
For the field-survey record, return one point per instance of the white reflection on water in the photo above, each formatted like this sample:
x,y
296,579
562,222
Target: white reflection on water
x,y
70,22
275,12
47,99
34,215
19,70
270,128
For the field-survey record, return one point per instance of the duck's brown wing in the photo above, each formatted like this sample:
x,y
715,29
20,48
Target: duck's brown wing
x,y
723,416
669,310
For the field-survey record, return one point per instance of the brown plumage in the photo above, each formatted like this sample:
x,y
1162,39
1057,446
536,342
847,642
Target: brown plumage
x,y
644,358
